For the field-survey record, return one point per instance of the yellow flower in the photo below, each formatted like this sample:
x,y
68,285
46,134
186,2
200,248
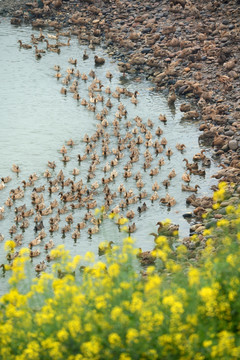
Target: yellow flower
x,y
150,270
89,256
232,260
113,270
97,211
207,343
132,336
230,209
223,223
116,313
122,221
114,340
62,335
125,356
9,245
193,276
153,283
181,250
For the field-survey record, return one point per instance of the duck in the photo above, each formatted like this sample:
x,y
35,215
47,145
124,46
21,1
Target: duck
x,y
159,131
6,179
163,142
199,156
13,229
34,253
142,208
57,68
47,174
185,107
132,228
49,245
65,159
99,60
28,213
163,118
76,95
104,247
166,229
140,184
155,186
93,230
109,75
1,237
172,174
18,195
172,98
24,46
161,162
154,171
142,195
54,228
35,242
9,202
72,61
154,196
109,103
169,153
39,51
130,214
75,235
2,185
51,46
38,56
190,188
116,95
46,211
63,91
15,168
64,44
134,100
41,266
191,166
39,189
108,90
186,177
146,257
91,46
54,50
180,147
85,55
39,226
58,75
200,172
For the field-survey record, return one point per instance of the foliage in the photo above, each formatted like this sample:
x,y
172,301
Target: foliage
x,y
175,311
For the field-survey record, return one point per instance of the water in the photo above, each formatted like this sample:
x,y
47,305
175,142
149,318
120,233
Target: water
x,y
36,120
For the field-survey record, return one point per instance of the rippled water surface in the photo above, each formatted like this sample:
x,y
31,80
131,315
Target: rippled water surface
x,y
36,120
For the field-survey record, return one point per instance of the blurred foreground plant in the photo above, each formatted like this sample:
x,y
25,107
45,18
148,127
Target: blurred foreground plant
x,y
111,311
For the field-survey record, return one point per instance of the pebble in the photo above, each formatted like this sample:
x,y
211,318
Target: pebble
x,y
233,144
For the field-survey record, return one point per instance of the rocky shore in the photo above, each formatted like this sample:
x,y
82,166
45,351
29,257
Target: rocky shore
x,y
186,48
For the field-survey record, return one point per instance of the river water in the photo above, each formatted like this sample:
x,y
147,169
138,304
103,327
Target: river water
x,y
36,120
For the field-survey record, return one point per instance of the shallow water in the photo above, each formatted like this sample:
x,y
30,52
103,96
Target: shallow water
x,y
36,120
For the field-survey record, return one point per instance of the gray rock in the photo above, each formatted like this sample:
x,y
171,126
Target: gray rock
x,y
233,144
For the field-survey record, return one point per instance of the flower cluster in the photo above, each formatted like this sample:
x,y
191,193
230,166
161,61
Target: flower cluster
x,y
176,309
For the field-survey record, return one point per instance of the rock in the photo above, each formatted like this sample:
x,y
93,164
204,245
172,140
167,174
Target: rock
x,y
187,215
233,144
146,50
